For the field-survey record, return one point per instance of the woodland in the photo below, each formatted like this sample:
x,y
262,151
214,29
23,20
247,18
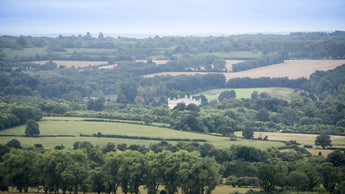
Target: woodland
x,y
30,91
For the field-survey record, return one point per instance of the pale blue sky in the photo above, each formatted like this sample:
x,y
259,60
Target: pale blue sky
x,y
169,17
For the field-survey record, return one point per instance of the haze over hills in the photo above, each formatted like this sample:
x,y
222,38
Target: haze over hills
x,y
84,89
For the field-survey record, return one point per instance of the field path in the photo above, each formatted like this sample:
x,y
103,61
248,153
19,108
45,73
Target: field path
x,y
293,69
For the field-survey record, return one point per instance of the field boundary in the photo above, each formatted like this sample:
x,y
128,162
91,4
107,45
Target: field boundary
x,y
140,137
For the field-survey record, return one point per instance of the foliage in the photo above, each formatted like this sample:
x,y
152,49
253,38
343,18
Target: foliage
x,y
14,144
268,59
323,140
226,95
248,133
32,128
17,114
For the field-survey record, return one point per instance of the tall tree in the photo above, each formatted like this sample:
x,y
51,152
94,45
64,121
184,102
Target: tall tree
x,y
226,95
111,169
323,140
268,179
32,128
153,171
19,169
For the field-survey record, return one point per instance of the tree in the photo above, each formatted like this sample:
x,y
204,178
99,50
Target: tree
x,y
4,149
110,170
248,133
19,169
100,36
337,158
14,144
32,128
180,107
196,174
254,95
267,175
323,140
228,94
147,119
262,115
153,170
127,93
329,176
97,181
131,171
298,179
193,107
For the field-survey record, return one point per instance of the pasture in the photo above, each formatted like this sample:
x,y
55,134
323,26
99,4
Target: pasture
x,y
282,93
75,126
53,127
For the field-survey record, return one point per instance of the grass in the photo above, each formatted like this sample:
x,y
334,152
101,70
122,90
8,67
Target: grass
x,y
282,93
75,126
339,141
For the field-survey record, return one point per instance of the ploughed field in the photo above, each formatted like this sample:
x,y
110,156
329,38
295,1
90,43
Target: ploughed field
x,y
65,131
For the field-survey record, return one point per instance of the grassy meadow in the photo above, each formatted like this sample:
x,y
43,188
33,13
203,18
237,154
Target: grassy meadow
x,y
282,93
74,126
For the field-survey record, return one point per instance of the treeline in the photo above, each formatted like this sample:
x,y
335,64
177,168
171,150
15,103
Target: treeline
x,y
99,134
91,170
190,167
266,82
268,59
324,84
314,45
17,114
196,63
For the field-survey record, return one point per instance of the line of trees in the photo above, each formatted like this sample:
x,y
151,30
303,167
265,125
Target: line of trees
x,y
13,114
190,167
268,59
93,171
314,45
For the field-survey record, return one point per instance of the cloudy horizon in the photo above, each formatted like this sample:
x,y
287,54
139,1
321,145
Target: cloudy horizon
x,y
170,17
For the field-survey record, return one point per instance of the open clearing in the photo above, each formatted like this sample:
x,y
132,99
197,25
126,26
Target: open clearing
x,y
76,64
275,92
293,69
75,126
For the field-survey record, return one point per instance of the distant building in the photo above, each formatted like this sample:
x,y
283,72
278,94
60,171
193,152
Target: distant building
x,y
172,102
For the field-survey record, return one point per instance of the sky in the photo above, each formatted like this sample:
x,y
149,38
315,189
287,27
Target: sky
x,y
169,17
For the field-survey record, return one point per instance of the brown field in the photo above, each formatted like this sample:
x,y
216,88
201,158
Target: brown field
x,y
293,69
76,64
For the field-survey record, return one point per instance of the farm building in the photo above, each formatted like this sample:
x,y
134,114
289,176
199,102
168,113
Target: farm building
x,y
172,102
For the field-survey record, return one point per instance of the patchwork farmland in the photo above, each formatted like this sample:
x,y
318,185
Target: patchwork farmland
x,y
293,69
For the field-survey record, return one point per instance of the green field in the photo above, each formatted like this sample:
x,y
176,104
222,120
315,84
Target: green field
x,y
75,126
282,93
